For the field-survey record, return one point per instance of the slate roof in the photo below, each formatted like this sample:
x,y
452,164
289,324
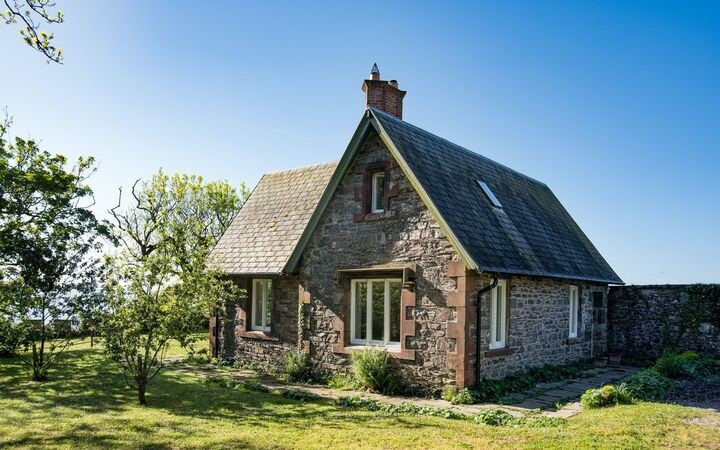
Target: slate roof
x,y
266,230
532,234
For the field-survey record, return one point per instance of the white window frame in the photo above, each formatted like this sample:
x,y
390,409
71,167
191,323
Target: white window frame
x,y
262,307
574,307
368,318
374,192
494,305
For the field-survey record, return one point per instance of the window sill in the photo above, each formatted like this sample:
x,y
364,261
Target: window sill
x,y
498,352
571,341
393,350
260,335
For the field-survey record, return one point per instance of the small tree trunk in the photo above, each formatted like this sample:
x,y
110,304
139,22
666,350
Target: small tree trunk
x,y
92,337
141,393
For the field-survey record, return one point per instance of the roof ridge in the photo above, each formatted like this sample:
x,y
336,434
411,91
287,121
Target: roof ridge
x,y
457,146
301,169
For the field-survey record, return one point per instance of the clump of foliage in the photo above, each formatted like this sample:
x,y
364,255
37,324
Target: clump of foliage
x,y
403,408
375,369
49,239
232,383
198,357
493,417
299,395
254,386
31,14
678,366
606,396
160,283
687,365
449,392
342,381
464,397
223,382
297,366
648,384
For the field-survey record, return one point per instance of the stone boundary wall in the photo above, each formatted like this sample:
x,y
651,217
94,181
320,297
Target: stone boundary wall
x,y
645,320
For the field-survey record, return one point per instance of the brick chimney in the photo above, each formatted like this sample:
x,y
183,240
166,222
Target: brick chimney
x,y
383,95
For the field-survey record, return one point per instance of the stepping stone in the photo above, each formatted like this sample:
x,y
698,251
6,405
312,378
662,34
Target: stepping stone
x,y
561,393
532,404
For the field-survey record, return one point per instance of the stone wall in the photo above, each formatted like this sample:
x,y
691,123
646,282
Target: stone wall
x,y
237,340
645,320
538,326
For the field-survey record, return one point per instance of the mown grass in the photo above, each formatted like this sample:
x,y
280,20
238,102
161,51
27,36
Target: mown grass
x,y
85,404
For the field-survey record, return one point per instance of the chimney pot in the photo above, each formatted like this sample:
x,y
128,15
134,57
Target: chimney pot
x,y
383,95
375,72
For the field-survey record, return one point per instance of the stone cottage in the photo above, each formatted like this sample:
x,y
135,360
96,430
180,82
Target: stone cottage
x,y
461,268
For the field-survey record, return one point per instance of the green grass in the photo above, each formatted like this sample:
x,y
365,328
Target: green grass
x,y
85,403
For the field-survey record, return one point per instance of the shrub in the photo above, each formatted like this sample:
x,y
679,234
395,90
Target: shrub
x,y
463,397
648,384
606,396
198,358
677,366
299,394
375,369
342,381
449,392
494,417
297,366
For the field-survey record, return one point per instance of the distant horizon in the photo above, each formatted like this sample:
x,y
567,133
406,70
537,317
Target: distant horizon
x,y
614,106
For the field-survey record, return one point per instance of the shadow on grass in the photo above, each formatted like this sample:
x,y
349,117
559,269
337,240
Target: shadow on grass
x,y
87,382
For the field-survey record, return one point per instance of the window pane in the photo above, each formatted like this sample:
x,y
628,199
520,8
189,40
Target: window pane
x,y
395,290
378,310
379,191
268,302
498,314
360,312
257,303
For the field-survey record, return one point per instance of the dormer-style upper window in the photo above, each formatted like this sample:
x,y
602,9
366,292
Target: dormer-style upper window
x,y
378,192
489,193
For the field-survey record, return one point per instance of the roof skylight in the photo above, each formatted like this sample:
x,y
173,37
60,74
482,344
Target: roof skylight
x,y
489,193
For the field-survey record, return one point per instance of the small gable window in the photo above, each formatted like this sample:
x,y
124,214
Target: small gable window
x,y
574,311
489,194
378,192
261,305
498,314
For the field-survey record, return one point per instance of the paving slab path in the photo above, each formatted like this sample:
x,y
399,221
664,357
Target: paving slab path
x,y
544,397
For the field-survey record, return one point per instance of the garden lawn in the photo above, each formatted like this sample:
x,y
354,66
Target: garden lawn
x,y
86,403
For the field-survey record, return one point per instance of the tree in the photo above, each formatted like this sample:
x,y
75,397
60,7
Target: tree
x,y
159,280
32,14
48,239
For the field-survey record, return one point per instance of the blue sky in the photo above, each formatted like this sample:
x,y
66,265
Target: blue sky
x,y
615,105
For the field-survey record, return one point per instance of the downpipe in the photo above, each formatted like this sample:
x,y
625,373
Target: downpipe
x,y
478,308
